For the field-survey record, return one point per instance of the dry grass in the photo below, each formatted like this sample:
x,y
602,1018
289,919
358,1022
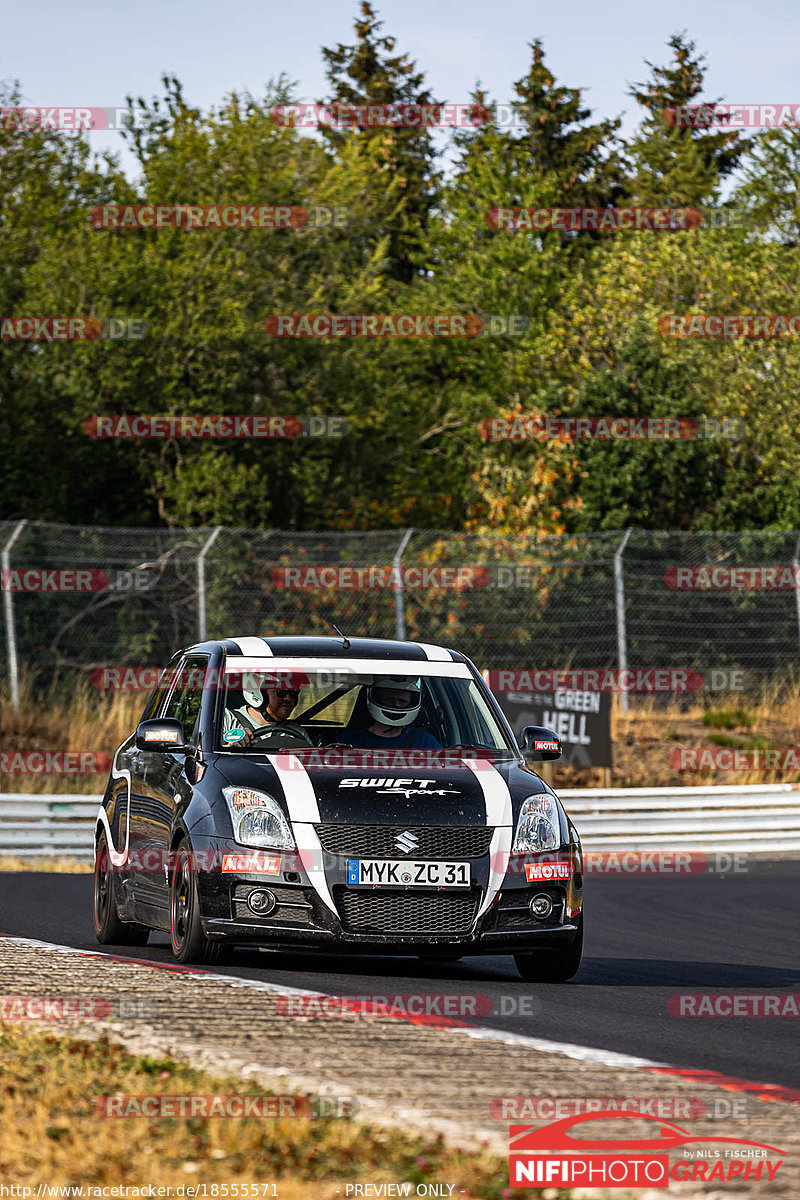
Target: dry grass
x,y
64,864
52,1133
73,717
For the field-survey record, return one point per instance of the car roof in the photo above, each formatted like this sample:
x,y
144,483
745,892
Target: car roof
x,y
332,647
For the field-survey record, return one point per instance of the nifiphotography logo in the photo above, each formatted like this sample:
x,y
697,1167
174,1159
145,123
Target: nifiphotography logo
x,y
552,1156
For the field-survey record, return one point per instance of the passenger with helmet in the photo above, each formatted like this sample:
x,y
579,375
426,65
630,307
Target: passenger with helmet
x,y
394,703
269,704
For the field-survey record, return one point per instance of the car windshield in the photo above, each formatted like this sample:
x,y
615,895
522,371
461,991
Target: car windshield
x,y
274,708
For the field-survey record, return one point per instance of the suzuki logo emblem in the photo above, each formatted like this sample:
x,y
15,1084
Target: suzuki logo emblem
x,y
406,841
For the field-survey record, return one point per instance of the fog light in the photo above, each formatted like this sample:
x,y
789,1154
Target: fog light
x,y
261,902
541,906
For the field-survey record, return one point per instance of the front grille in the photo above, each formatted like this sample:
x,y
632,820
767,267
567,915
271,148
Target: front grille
x,y
406,913
378,841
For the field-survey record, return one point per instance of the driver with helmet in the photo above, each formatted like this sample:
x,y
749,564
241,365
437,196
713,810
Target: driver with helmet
x,y
270,704
394,703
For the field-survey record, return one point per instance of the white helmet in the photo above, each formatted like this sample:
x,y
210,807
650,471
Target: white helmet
x,y
395,699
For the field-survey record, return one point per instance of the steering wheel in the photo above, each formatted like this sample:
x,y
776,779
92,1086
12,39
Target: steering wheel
x,y
290,728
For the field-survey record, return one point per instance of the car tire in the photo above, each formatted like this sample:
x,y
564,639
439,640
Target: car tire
x,y
189,942
108,928
552,966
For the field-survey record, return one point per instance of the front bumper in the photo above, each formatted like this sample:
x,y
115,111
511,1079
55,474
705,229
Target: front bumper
x,y
384,920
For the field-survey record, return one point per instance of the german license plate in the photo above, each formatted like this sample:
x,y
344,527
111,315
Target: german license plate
x,y
387,872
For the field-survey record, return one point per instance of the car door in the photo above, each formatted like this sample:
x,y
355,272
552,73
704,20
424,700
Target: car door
x,y
134,760
166,770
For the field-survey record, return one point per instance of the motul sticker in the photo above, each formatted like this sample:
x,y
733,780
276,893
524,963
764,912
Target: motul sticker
x,y
546,746
537,871
256,864
161,735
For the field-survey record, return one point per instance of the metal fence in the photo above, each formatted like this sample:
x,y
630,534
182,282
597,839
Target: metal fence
x,y
597,600
748,819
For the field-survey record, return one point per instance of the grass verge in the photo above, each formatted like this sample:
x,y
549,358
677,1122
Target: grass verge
x,y
52,1133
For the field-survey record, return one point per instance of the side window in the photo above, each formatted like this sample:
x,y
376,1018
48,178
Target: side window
x,y
187,695
162,687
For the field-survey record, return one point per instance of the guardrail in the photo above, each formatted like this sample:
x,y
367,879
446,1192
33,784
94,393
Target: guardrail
x,y
47,826
764,818
761,818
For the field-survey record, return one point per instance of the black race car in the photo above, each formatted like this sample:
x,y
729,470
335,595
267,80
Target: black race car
x,y
363,795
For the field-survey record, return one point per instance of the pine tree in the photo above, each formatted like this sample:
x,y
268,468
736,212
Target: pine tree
x,y
559,141
672,163
371,72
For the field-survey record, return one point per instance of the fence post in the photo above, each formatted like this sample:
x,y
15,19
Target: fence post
x,y
619,595
202,621
399,598
8,612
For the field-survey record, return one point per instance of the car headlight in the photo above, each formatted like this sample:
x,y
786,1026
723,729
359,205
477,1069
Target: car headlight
x,y
258,819
538,827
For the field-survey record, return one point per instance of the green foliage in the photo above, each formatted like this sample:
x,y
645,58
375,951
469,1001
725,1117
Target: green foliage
x,y
417,239
727,718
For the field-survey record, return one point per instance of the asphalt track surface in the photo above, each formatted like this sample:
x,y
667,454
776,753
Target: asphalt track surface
x,y
648,937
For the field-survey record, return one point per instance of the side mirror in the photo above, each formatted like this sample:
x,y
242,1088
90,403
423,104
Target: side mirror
x,y
165,735
540,744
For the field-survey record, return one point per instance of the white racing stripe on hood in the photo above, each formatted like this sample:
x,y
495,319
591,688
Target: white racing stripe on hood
x,y
499,815
253,645
301,800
